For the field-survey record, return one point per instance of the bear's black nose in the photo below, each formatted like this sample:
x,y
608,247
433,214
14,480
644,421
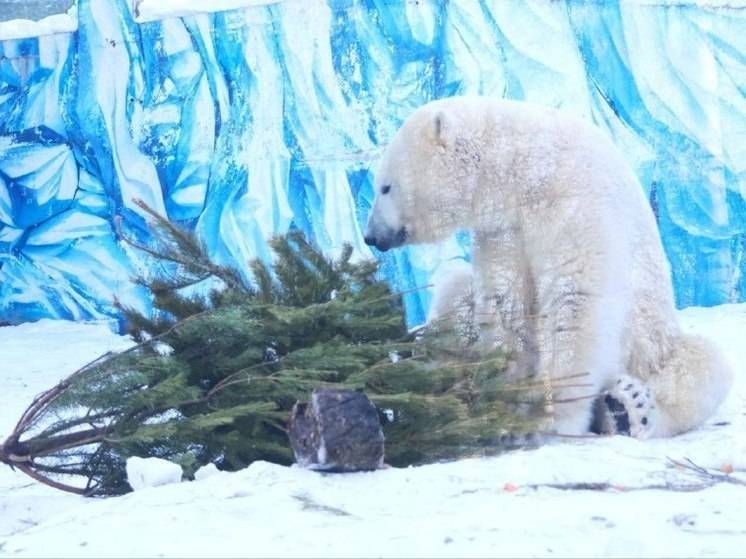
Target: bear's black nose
x,y
370,240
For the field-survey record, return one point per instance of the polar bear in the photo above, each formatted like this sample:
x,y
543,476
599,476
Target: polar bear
x,y
569,272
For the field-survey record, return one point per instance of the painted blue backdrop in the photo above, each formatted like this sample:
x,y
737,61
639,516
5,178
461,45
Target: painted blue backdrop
x,y
243,124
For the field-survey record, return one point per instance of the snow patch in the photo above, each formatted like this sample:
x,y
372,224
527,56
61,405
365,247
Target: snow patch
x,y
150,10
23,28
206,471
165,417
732,4
162,349
143,473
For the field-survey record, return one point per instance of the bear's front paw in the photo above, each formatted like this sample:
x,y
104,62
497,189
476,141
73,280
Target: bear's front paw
x,y
630,408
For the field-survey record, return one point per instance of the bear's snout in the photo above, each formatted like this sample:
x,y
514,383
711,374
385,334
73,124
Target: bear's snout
x,y
386,241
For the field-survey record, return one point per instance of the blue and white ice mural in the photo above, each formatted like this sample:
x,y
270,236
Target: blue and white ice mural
x,y
243,124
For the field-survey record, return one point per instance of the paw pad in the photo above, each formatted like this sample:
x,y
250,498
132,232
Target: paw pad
x,y
630,408
618,414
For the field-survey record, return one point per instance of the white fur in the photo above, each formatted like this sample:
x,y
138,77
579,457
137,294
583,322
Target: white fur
x,y
453,294
569,270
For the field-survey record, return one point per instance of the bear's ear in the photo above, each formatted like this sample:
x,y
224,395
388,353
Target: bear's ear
x,y
441,129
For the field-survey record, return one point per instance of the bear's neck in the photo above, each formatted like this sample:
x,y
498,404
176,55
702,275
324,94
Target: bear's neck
x,y
485,195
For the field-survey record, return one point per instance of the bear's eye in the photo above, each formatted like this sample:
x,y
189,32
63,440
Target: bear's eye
x,y
386,189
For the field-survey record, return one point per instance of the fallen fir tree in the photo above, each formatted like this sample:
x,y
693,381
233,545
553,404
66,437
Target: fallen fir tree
x,y
212,379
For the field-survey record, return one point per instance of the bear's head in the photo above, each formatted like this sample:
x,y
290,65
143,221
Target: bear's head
x,y
424,181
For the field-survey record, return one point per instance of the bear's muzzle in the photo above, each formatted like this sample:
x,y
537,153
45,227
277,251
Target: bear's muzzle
x,y
386,241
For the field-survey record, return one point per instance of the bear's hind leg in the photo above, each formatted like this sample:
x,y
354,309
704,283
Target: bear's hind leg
x,y
688,388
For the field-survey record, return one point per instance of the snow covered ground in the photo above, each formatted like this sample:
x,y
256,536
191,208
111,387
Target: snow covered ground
x,y
477,507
